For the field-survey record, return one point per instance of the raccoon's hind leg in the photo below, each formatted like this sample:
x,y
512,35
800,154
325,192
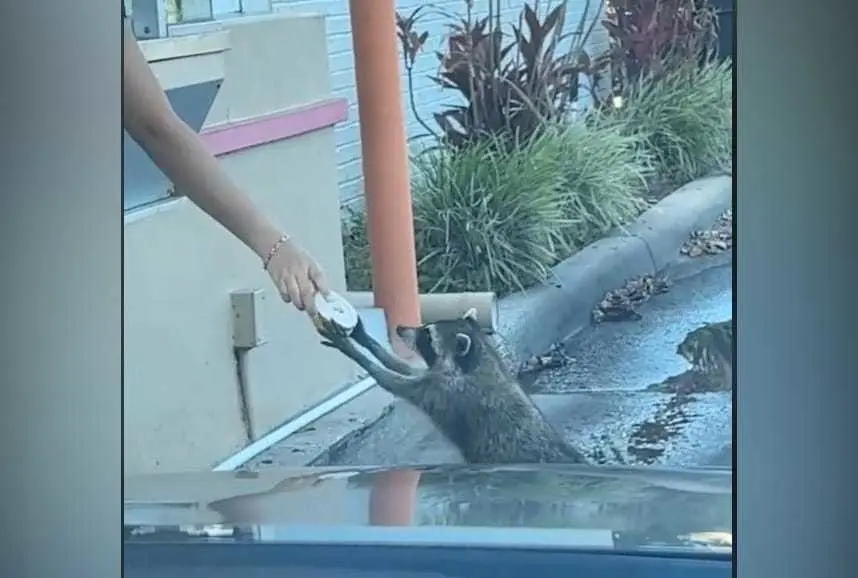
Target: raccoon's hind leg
x,y
393,382
377,350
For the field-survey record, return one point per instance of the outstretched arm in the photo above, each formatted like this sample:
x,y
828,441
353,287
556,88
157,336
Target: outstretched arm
x,y
183,157
393,382
377,350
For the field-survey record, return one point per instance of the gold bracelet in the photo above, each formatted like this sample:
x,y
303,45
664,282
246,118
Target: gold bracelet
x,y
275,248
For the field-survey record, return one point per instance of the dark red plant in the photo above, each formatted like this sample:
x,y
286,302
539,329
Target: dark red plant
x,y
512,81
651,37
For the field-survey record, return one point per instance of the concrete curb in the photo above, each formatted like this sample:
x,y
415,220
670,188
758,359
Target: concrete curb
x,y
533,320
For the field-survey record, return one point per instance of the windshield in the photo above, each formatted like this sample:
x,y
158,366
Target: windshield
x,y
493,507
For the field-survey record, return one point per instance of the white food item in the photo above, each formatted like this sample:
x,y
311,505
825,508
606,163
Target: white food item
x,y
336,310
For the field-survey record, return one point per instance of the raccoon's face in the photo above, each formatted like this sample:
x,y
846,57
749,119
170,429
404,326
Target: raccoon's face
x,y
687,349
712,341
446,344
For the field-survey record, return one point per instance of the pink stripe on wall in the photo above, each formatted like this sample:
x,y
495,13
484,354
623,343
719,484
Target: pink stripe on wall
x,y
235,136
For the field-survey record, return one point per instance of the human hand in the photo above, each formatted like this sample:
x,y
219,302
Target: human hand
x,y
296,274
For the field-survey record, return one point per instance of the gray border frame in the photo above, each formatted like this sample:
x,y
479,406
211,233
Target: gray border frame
x,y
795,270
61,295
61,246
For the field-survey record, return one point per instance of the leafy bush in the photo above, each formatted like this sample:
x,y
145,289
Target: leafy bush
x,y
604,171
685,119
512,82
356,251
513,185
487,218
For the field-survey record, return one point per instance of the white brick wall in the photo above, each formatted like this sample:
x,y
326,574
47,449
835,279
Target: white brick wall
x,y
427,95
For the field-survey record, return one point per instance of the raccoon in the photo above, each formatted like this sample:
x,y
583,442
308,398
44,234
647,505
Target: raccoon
x,y
709,350
466,389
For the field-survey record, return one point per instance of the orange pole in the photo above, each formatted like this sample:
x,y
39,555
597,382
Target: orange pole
x,y
390,223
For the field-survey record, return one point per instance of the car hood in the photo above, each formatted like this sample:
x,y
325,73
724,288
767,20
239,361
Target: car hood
x,y
644,507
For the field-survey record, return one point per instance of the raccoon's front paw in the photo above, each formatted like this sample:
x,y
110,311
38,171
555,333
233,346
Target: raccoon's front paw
x,y
333,337
326,328
329,335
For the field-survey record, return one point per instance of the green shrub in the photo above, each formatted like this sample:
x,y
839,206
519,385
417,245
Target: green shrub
x,y
488,218
356,251
604,172
685,118
491,216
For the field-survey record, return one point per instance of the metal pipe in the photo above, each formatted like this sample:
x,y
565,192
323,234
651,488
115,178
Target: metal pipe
x,y
295,424
440,306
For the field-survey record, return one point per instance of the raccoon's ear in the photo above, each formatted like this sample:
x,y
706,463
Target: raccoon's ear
x,y
470,314
463,344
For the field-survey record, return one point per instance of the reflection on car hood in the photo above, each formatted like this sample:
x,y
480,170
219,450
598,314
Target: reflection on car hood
x,y
634,508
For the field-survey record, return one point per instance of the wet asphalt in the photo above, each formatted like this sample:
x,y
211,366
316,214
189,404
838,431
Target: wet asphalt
x,y
600,400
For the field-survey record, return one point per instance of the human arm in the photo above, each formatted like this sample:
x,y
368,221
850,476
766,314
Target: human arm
x,y
183,157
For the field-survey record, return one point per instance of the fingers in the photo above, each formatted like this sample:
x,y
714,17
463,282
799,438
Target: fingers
x,y
300,291
308,292
292,293
300,278
317,277
284,291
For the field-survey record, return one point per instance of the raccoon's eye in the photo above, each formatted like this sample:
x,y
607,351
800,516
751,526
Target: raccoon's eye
x,y
463,344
